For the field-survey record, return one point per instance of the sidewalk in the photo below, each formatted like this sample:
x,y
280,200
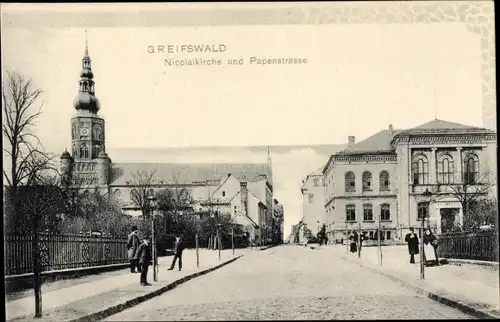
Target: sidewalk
x,y
471,285
94,294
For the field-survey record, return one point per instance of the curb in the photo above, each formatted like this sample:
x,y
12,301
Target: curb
x,y
467,309
96,316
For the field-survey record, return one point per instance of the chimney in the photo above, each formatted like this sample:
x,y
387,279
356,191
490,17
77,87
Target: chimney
x,y
391,130
351,140
244,197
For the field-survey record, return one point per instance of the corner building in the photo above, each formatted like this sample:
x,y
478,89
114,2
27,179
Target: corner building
x,y
384,176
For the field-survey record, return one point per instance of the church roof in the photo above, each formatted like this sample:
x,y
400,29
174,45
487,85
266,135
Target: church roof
x,y
186,173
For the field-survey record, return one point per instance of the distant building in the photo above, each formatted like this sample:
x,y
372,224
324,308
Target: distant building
x,y
383,177
89,168
313,201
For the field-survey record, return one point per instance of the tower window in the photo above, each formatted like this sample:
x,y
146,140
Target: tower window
x,y
84,151
223,193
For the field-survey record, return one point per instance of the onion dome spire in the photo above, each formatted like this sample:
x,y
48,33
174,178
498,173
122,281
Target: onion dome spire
x,y
86,99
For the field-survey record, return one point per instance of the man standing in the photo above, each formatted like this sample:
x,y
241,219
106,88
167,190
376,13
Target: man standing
x,y
412,239
178,248
132,246
144,257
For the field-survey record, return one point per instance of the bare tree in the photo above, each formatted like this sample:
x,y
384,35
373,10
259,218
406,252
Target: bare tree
x,y
21,108
471,190
142,182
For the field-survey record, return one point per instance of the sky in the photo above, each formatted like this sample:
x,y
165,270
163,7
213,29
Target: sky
x,y
358,79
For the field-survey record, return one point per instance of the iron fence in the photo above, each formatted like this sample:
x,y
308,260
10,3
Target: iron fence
x,y
469,245
58,252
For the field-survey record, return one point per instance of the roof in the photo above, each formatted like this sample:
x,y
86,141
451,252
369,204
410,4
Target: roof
x,y
379,142
440,125
186,173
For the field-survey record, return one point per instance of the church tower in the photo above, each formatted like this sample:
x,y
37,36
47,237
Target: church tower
x,y
89,161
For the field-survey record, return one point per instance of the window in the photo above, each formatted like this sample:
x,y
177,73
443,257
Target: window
x,y
423,209
367,212
311,198
371,235
316,182
420,170
385,212
223,193
84,151
350,213
367,181
134,195
445,169
388,233
350,182
471,173
384,181
117,193
151,192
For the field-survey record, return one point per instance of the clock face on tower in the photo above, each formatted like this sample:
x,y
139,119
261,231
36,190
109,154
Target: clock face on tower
x,y
84,132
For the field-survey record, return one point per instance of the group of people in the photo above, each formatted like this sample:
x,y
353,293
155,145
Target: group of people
x,y
141,257
430,247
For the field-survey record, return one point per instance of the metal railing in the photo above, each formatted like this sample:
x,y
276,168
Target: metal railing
x,y
59,252
481,245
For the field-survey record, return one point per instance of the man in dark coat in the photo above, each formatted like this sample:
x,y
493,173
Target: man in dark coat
x,y
412,239
144,257
132,247
178,248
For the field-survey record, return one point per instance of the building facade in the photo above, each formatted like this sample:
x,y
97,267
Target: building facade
x,y
383,179
313,201
89,168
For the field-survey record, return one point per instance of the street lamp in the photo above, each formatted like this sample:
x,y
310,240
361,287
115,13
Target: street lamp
x,y
427,199
152,204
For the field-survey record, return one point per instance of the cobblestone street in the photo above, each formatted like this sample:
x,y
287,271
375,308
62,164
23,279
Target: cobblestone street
x,y
289,282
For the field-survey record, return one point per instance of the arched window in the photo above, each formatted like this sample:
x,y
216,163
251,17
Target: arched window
x,y
384,181
471,168
420,170
367,181
74,151
350,182
97,149
151,192
350,212
117,193
367,212
445,169
385,212
84,151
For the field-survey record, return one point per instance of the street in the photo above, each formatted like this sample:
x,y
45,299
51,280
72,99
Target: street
x,y
288,282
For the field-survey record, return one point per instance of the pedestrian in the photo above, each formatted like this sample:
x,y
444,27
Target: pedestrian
x,y
178,248
144,257
353,242
132,247
430,249
412,240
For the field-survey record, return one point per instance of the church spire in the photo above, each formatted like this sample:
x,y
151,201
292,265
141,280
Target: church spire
x,y
86,99
86,45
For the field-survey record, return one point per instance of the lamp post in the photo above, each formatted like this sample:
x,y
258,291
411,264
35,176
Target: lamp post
x,y
152,203
427,198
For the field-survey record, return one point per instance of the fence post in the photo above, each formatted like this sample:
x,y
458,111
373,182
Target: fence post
x,y
37,281
197,251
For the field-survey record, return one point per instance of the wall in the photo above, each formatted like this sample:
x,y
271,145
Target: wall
x,y
335,207
313,210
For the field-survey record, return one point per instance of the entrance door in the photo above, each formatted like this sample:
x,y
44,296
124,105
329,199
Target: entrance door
x,y
449,219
